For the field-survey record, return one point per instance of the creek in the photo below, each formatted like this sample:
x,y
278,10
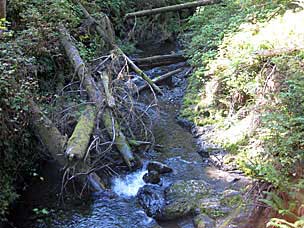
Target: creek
x,y
119,207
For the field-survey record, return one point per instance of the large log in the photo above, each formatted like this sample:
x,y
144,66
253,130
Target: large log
x,y
96,96
159,60
48,134
171,8
120,139
80,139
55,142
80,68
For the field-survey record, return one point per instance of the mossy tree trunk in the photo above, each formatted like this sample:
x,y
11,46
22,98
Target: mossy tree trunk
x,y
55,143
80,139
48,134
96,96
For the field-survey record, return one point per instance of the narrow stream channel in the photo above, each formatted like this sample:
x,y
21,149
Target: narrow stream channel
x,y
119,206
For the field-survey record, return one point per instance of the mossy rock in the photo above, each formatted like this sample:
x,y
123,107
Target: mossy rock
x,y
231,198
213,208
182,198
203,221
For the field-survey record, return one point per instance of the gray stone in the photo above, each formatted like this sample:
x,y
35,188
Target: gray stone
x,y
151,198
152,177
182,198
203,221
159,167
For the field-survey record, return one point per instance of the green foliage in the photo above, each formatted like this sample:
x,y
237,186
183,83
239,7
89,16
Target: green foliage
x,y
254,101
217,53
27,55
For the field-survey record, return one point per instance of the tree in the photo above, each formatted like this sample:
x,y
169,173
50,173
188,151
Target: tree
x,y
2,9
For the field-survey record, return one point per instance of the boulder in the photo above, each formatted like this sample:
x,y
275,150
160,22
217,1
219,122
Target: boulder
x,y
151,198
203,221
182,198
152,177
159,167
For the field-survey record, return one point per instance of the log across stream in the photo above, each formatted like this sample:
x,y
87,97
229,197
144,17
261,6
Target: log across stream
x,y
121,206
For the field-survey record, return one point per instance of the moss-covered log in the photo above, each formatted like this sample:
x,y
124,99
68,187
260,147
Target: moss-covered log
x,y
119,138
96,96
159,79
48,134
80,139
55,143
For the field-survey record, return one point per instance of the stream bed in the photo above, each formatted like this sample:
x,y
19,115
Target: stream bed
x,y
120,206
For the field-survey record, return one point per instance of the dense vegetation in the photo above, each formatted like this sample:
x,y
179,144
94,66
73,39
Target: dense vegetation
x,y
248,83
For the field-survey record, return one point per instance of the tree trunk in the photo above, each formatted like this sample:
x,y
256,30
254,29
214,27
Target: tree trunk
x,y
2,9
80,139
96,96
171,8
159,60
48,134
54,142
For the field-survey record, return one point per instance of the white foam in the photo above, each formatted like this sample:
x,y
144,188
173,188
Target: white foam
x,y
129,185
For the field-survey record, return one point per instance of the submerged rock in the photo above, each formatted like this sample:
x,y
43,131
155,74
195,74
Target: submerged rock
x,y
203,221
182,198
159,167
151,198
152,177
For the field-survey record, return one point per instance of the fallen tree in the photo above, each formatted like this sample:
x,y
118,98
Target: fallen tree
x,y
159,60
95,95
48,134
171,8
55,142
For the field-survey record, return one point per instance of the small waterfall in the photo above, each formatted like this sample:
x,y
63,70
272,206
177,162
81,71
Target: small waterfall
x,y
129,185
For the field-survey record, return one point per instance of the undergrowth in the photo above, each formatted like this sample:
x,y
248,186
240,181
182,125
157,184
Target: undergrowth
x,y
248,82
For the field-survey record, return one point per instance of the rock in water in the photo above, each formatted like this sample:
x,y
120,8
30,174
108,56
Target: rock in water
x,y
159,167
182,198
203,221
152,177
151,198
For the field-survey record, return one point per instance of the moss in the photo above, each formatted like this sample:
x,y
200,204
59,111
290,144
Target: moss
x,y
78,142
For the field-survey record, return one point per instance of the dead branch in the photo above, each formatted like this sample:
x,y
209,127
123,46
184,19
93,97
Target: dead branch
x,y
160,79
